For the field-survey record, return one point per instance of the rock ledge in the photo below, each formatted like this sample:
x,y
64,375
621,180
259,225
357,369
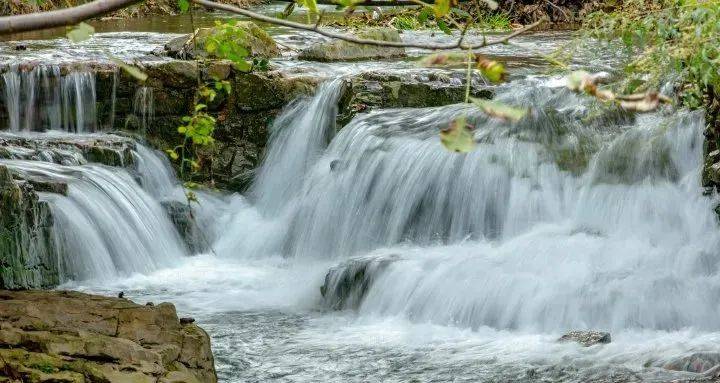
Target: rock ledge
x,y
62,336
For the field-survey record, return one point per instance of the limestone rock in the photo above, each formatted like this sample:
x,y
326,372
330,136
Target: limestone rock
x,y
409,89
246,34
338,50
586,338
61,336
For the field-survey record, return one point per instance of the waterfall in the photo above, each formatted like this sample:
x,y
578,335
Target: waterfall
x,y
579,216
298,138
42,98
107,224
144,107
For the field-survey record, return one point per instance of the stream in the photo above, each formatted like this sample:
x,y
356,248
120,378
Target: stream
x,y
470,267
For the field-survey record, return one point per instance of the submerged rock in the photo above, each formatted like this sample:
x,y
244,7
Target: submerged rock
x,y
586,338
244,33
61,336
181,215
338,50
346,284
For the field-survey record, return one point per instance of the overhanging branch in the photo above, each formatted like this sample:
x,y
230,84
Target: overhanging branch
x,y
61,17
353,39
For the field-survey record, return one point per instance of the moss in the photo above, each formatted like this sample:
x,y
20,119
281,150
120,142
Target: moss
x,y
28,255
345,51
247,34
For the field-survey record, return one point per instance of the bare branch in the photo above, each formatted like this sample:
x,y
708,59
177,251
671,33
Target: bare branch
x,y
349,38
61,17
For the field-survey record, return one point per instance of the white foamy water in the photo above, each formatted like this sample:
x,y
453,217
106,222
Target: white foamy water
x,y
577,218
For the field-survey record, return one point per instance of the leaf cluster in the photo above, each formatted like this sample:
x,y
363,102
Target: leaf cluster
x,y
667,36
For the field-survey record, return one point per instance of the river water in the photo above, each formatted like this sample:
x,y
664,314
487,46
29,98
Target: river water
x,y
577,218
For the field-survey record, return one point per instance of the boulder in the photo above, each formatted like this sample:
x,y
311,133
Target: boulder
x,y
61,336
339,50
346,284
244,33
586,338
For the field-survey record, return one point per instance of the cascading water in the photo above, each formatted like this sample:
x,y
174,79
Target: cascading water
x,y
42,98
107,224
144,107
578,217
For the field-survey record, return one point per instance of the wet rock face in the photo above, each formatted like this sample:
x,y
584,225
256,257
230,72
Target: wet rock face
x,y
346,284
412,89
69,150
711,169
243,116
181,215
59,336
586,338
345,51
28,255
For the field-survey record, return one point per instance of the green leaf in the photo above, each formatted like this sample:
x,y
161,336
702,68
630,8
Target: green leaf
x,y
172,154
444,27
80,33
200,107
182,129
184,5
311,6
243,66
425,14
129,69
458,137
441,8
491,69
500,110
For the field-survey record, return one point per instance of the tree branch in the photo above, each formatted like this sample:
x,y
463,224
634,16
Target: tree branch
x,y
349,38
61,17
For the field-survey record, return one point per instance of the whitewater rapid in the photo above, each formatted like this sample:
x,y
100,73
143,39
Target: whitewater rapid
x,y
579,217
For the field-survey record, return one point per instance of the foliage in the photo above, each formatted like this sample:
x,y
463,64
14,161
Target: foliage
x,y
500,110
668,36
226,43
492,70
80,33
197,132
425,17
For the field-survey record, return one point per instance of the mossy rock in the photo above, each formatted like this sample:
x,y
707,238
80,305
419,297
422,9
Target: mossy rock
x,y
339,50
246,33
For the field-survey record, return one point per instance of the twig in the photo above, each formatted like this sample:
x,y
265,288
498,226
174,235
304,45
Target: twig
x,y
61,17
349,38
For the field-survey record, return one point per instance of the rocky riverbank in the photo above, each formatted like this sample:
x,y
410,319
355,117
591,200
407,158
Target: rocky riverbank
x,y
62,336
